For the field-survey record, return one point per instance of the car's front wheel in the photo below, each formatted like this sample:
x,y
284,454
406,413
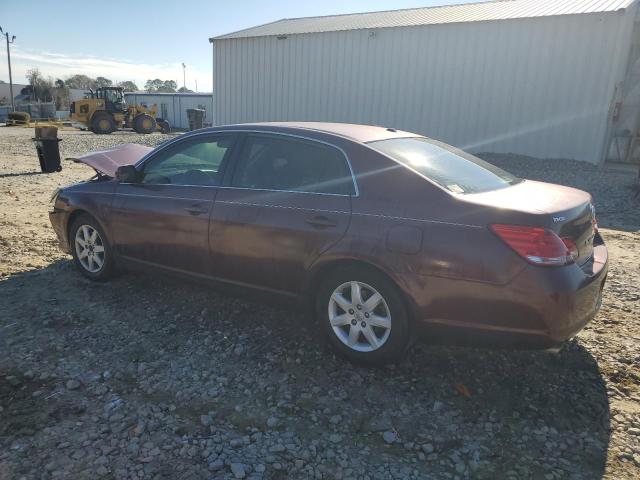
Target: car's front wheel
x,y
90,249
363,315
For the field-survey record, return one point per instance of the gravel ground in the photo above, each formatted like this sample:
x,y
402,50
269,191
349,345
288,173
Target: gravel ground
x,y
154,378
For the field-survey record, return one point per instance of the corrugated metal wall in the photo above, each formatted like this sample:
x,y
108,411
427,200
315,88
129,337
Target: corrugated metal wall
x,y
540,86
177,105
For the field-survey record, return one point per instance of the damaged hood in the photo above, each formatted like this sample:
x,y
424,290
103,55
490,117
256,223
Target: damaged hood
x,y
107,161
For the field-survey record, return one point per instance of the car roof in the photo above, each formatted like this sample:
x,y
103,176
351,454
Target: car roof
x,y
358,133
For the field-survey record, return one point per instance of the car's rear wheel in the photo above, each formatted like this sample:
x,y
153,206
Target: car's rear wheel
x,y
90,249
363,315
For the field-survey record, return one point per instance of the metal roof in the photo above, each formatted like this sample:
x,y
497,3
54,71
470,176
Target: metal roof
x,y
470,12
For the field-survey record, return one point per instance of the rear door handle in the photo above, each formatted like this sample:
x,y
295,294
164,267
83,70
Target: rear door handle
x,y
196,210
320,221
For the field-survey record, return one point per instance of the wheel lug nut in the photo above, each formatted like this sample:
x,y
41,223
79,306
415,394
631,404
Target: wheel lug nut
x,y
366,314
354,322
351,311
359,307
363,324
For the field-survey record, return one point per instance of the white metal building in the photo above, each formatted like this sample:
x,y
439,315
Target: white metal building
x,y
173,106
546,78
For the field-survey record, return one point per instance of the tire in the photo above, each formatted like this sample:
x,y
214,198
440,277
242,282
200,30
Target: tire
x,y
392,329
103,123
144,123
164,125
99,265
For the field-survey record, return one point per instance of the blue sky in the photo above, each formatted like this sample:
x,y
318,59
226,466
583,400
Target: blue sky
x,y
138,40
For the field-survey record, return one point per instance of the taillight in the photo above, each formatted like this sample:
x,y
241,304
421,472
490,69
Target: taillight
x,y
538,246
571,247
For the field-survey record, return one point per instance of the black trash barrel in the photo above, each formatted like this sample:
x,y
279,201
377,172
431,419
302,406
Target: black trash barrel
x,y
196,118
48,149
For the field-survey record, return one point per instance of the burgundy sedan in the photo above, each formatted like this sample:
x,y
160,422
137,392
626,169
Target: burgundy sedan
x,y
383,231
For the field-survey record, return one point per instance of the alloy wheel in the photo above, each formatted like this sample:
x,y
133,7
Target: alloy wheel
x,y
359,316
89,248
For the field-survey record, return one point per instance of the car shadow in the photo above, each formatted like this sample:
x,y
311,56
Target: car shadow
x,y
472,412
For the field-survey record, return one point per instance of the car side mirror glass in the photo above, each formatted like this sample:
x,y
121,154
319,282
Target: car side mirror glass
x,y
127,174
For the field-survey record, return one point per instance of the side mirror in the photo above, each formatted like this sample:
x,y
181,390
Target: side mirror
x,y
127,174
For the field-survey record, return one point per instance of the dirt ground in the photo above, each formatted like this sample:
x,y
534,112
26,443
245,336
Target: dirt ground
x,y
147,377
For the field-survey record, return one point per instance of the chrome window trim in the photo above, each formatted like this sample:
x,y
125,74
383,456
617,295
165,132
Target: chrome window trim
x,y
231,188
267,132
287,191
286,207
217,186
169,185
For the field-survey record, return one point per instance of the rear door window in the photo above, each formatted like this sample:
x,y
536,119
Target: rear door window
x,y
449,167
278,162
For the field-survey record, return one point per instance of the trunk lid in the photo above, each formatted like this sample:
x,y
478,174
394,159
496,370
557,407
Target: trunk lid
x,y
566,211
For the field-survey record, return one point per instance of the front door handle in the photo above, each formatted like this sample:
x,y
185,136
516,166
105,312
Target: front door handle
x,y
196,210
320,221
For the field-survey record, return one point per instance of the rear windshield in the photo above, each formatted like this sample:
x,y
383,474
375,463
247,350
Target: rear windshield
x,y
453,169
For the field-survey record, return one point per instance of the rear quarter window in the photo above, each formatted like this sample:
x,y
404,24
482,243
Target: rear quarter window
x,y
449,167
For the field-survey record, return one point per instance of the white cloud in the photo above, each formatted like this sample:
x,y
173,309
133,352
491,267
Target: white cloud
x,y
62,66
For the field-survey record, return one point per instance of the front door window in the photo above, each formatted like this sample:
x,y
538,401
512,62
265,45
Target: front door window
x,y
196,163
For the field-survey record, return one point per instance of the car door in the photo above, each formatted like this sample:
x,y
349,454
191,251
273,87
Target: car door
x,y
163,219
287,200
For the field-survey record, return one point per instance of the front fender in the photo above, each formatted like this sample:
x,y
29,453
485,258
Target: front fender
x,y
93,198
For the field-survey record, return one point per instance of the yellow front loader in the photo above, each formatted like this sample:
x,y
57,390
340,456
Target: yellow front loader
x,y
105,111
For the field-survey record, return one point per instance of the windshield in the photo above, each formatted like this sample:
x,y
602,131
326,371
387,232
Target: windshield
x,y
453,169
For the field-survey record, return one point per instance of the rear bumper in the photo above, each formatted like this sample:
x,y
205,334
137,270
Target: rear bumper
x,y
574,308
59,220
540,308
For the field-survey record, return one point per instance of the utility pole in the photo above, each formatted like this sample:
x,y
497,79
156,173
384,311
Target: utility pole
x,y
184,83
6,34
196,86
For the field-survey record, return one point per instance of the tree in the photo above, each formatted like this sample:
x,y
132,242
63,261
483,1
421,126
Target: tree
x,y
184,90
128,86
169,86
62,95
160,86
41,89
153,85
33,76
80,81
103,82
